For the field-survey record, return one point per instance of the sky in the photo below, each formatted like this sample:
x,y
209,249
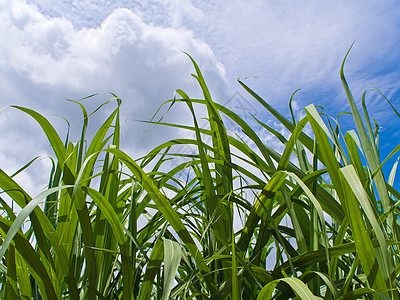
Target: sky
x,y
51,51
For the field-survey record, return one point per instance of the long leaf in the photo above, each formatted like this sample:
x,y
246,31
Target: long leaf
x,y
172,258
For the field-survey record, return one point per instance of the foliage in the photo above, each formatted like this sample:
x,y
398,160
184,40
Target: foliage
x,y
322,209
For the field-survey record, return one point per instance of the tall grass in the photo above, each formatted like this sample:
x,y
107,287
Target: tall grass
x,y
328,218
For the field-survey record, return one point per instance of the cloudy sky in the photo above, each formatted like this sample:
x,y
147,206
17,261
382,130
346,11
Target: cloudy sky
x,y
56,50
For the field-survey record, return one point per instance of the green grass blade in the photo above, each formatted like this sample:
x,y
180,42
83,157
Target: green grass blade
x,y
23,279
41,225
172,259
51,133
298,287
291,143
306,140
25,212
363,199
305,277
153,267
327,154
369,147
357,294
12,288
363,242
109,213
38,270
168,212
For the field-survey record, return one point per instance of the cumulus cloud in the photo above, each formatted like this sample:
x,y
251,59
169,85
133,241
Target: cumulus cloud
x,y
285,45
50,51
71,49
46,59
92,13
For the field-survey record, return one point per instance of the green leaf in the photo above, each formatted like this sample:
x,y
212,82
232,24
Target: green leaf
x,y
298,287
172,259
153,267
25,212
166,209
370,262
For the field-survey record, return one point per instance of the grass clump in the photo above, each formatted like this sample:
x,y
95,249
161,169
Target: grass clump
x,y
329,219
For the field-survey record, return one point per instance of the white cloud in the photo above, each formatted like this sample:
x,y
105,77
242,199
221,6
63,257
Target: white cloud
x,y
181,10
45,59
50,51
70,49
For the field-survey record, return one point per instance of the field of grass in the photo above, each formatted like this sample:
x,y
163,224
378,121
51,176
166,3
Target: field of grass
x,y
234,219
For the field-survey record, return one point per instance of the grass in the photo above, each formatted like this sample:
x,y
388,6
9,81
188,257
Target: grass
x,y
329,218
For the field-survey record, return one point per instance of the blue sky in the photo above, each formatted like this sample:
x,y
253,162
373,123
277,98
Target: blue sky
x,y
52,50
